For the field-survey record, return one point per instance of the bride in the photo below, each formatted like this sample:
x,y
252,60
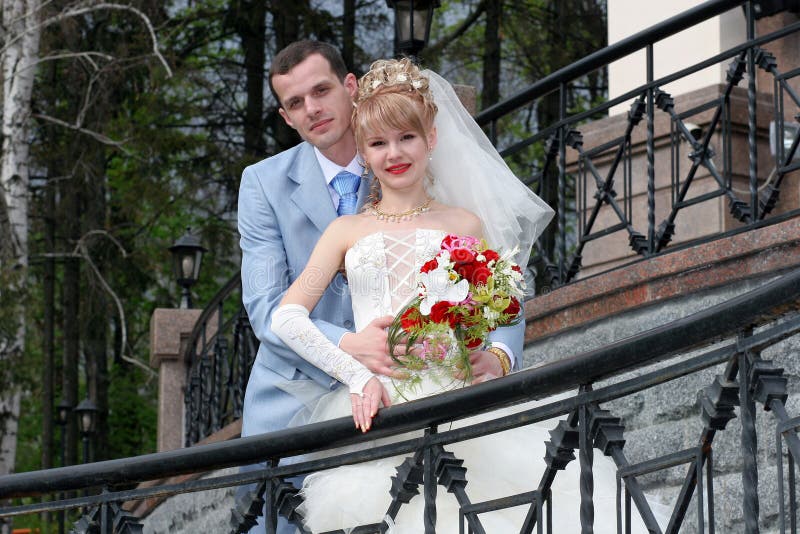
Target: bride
x,y
435,174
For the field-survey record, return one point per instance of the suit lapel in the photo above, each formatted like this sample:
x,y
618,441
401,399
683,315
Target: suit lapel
x,y
311,195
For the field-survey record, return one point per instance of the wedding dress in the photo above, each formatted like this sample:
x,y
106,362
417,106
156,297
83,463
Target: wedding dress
x,y
382,277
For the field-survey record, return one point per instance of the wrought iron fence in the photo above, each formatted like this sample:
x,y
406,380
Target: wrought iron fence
x,y
220,352
590,181
747,326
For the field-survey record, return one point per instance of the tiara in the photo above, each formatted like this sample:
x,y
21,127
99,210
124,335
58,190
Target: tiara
x,y
392,73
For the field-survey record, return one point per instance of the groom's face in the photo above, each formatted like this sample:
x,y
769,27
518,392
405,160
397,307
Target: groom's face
x,y
316,103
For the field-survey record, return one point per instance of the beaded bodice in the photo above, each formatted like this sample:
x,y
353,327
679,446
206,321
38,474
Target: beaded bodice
x,y
382,270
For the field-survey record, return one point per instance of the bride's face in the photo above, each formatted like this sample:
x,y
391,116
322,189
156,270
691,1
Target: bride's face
x,y
398,157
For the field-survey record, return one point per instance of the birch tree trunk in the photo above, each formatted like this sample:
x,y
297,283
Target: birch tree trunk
x,y
18,55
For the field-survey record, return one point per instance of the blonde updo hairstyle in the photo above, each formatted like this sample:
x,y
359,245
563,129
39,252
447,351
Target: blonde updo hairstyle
x,y
392,95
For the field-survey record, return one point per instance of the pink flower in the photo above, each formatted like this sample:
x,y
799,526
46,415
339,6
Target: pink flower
x,y
452,242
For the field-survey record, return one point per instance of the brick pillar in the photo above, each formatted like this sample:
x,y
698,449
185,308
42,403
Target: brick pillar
x,y
787,54
169,332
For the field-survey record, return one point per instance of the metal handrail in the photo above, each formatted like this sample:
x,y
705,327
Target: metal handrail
x,y
771,300
232,285
593,198
217,369
608,54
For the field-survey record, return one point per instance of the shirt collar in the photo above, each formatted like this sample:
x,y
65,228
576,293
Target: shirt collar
x,y
331,169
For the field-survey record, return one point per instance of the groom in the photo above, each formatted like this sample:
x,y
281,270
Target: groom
x,y
285,203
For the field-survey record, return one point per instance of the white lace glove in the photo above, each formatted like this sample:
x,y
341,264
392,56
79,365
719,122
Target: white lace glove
x,y
290,322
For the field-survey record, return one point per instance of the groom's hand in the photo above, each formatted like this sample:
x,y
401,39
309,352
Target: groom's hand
x,y
370,346
485,366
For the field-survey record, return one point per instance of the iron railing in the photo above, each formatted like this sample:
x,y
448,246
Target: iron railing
x,y
220,353
583,190
747,325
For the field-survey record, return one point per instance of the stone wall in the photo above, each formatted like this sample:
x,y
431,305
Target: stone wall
x,y
207,512
666,418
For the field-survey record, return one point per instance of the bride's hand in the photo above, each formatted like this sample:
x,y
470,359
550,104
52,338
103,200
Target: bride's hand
x,y
365,406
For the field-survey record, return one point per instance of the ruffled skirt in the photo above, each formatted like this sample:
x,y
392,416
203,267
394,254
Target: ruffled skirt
x,y
498,465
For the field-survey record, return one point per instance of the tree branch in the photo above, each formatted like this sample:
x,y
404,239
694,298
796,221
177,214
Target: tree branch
x,y
437,47
91,133
82,252
67,55
82,9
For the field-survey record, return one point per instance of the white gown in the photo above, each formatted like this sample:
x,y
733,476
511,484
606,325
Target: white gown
x,y
381,271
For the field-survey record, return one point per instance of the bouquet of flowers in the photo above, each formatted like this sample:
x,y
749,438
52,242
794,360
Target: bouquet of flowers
x,y
466,291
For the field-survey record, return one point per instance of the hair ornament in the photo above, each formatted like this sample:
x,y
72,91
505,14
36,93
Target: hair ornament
x,y
396,75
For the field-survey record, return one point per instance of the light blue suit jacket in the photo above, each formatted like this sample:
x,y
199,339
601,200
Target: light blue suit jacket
x,y
284,206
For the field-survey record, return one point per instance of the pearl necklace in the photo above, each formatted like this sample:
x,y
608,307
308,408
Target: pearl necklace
x,y
401,216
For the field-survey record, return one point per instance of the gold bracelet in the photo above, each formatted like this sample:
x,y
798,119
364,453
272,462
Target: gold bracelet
x,y
505,361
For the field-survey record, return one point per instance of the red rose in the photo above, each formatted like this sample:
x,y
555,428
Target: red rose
x,y
516,268
481,274
513,308
462,255
410,319
440,313
490,255
449,241
429,266
473,342
465,270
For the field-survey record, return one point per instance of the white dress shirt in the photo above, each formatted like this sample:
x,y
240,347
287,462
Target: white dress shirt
x,y
331,169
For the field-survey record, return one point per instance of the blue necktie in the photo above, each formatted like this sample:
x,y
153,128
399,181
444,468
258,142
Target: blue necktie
x,y
346,184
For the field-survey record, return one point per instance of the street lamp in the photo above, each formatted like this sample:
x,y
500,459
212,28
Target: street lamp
x,y
62,417
187,253
87,420
412,25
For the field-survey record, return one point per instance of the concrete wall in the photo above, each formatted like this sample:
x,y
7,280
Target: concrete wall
x,y
666,418
203,512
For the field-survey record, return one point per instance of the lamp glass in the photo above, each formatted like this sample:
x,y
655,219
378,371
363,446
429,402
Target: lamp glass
x,y
63,412
187,255
187,266
87,422
403,20
86,411
412,24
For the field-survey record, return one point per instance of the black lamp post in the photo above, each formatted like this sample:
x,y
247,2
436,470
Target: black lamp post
x,y
187,253
412,25
87,420
62,417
